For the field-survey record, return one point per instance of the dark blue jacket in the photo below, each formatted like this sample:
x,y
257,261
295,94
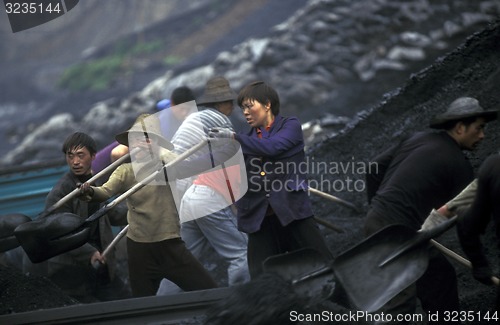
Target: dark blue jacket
x,y
277,175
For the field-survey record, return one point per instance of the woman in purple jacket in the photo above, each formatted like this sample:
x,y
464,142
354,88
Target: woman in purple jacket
x,y
275,212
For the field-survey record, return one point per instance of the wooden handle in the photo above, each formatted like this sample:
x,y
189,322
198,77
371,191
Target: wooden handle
x,y
465,262
115,241
333,198
328,224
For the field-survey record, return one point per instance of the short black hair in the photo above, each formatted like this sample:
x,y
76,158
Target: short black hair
x,y
181,95
261,92
79,140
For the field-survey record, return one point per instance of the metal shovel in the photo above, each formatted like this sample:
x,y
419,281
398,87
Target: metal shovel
x,y
377,269
306,270
8,223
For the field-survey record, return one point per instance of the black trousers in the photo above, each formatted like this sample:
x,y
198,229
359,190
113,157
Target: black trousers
x,y
273,239
149,263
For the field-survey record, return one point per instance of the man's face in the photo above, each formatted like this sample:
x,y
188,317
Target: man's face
x,y
79,160
472,134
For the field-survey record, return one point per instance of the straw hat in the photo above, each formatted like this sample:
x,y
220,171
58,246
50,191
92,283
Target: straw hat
x,y
217,90
149,126
462,108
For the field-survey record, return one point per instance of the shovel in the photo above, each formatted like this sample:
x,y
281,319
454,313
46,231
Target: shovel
x,y
306,270
377,269
10,222
111,245
57,234
334,199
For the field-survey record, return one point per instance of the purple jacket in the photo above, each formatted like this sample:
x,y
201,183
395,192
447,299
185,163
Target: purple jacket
x,y
103,157
276,172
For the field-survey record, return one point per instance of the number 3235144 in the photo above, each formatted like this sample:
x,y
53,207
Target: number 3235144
x,y
470,316
32,7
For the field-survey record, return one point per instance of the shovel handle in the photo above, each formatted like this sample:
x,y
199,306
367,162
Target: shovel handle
x,y
113,243
328,224
313,274
333,198
465,262
115,240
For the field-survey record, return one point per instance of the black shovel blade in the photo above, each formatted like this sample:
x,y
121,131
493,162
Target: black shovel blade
x,y
48,237
8,223
306,269
421,238
370,286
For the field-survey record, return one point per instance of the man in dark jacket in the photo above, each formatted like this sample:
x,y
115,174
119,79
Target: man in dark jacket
x,y
473,223
423,172
83,272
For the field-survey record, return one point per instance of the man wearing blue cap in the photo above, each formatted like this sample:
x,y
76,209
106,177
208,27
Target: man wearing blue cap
x,y
171,118
172,112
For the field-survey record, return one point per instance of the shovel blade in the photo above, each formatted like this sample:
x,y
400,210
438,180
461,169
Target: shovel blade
x,y
369,286
48,237
305,270
8,223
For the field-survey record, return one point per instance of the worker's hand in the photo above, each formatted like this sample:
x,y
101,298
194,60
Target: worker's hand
x,y
221,133
86,191
97,259
483,274
434,219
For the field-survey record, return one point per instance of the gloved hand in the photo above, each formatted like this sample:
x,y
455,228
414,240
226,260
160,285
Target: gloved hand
x,y
86,191
434,219
483,274
221,133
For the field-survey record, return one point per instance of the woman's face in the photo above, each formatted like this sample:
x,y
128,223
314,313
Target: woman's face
x,y
257,114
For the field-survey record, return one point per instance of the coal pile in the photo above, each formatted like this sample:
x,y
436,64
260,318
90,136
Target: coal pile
x,y
270,300
22,293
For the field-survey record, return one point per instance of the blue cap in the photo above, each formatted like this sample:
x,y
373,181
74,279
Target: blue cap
x,y
162,104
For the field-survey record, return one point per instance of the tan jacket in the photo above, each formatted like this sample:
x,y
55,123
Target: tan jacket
x,y
152,214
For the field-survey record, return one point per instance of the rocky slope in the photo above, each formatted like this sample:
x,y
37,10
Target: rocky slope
x,y
330,57
146,37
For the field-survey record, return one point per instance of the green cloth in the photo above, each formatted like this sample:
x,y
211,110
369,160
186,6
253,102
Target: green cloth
x,y
464,199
